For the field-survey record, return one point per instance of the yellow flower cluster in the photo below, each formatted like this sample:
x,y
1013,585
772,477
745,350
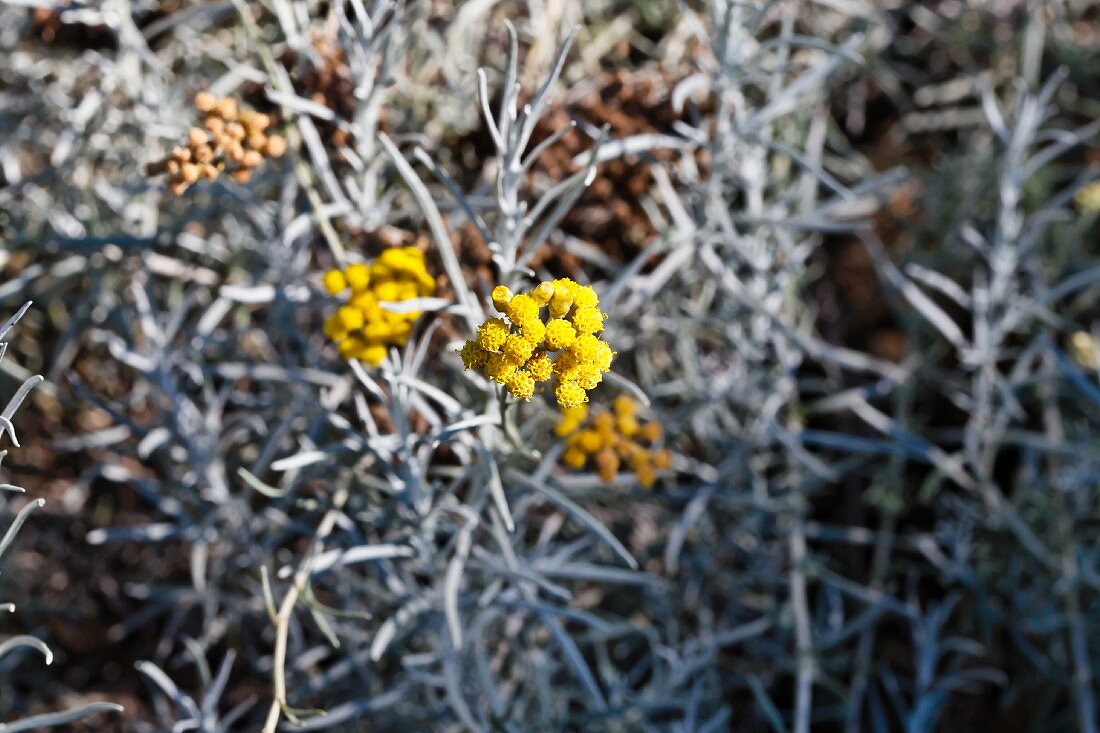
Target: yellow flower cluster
x,y
235,140
611,438
1088,197
363,327
521,349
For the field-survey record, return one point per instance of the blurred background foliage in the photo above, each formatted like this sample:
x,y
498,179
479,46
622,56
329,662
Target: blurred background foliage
x,y
886,466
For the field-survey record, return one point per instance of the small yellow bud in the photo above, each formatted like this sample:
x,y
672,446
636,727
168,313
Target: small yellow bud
x,y
543,293
350,318
623,406
373,354
589,441
358,276
501,296
651,432
627,425
574,457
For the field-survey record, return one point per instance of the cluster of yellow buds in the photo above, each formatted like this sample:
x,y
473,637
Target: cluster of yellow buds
x,y
234,140
610,438
522,350
362,328
1088,197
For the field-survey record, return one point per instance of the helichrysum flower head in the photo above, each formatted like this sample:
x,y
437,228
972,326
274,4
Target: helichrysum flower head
x,y
607,440
521,384
559,334
540,367
588,320
492,334
474,355
546,334
570,394
499,368
517,348
522,309
363,328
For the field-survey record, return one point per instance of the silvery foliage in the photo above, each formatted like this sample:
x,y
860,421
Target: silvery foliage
x,y
12,647
1032,414
177,711
460,593
487,591
737,251
428,592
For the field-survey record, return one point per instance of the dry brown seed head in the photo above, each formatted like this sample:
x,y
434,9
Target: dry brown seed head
x,y
651,431
259,121
176,186
204,154
181,153
227,109
234,151
275,147
257,141
205,102
209,171
662,459
196,136
252,158
172,166
189,172
607,464
216,125
235,130
241,175
647,475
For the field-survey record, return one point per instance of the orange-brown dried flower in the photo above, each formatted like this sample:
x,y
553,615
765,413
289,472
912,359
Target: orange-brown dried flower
x,y
610,439
231,140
